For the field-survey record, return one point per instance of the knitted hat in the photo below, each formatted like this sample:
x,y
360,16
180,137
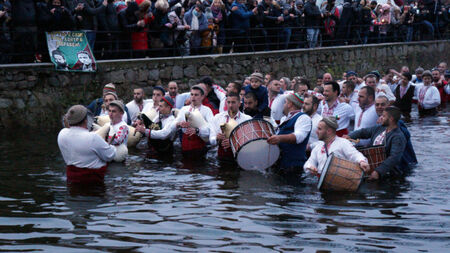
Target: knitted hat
x,y
257,76
331,122
76,114
159,88
110,87
299,2
119,104
427,73
169,101
419,70
296,99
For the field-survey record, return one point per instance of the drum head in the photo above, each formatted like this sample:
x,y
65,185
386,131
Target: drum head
x,y
324,171
257,155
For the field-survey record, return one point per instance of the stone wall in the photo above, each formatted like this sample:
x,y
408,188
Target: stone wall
x,y
37,95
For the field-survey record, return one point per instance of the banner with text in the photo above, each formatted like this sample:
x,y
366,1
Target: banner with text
x,y
70,51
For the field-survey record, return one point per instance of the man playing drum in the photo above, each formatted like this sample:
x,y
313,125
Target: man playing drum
x,y
216,135
192,144
340,147
390,135
85,153
162,139
292,136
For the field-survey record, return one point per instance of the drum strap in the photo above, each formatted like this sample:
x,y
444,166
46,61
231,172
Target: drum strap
x,y
326,146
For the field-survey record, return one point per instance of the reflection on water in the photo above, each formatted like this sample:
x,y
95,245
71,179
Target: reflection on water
x,y
147,205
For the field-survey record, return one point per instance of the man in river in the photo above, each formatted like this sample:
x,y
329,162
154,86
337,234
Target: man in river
x,y
192,144
216,135
85,153
292,135
391,136
162,139
340,147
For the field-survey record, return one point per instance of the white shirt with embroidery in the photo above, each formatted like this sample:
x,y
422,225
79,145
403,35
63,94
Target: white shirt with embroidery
x,y
340,147
221,118
428,97
120,130
343,111
204,111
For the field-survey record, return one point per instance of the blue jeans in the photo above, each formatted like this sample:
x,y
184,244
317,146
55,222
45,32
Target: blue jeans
x,y
311,36
409,33
286,36
91,35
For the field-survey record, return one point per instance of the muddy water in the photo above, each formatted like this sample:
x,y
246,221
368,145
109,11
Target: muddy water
x,y
148,205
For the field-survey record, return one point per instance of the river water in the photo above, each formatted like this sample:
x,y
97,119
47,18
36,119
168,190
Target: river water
x,y
151,206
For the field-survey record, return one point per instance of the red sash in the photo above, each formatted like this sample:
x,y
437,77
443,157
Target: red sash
x,y
194,142
342,132
84,175
224,153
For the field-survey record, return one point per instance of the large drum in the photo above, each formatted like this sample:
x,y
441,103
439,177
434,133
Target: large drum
x,y
375,155
248,142
340,175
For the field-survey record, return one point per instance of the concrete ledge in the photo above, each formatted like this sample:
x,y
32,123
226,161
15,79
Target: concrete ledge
x,y
41,95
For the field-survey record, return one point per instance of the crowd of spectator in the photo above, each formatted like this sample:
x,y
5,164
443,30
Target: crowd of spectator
x,y
143,28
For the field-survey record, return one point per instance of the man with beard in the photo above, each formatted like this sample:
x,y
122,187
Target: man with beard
x,y
292,135
365,114
136,105
251,107
381,103
331,143
216,135
394,141
310,108
331,106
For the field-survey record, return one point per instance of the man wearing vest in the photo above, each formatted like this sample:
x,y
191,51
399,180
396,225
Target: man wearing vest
x,y
292,135
192,144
